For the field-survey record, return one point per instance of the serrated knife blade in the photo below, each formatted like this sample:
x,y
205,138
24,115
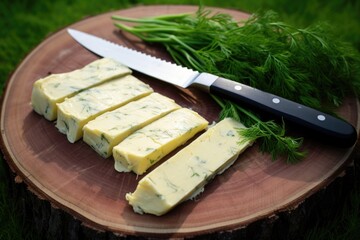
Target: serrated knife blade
x,y
323,126
154,67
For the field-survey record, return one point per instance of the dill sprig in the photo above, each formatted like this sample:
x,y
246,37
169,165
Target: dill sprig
x,y
309,65
269,134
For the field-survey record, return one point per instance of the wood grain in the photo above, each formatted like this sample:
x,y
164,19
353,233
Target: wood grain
x,y
74,178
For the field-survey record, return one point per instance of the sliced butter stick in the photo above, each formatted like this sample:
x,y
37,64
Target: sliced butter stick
x,y
186,173
53,89
78,110
145,147
110,128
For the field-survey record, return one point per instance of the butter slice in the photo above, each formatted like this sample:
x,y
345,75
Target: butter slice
x,y
188,171
78,110
53,89
145,147
110,128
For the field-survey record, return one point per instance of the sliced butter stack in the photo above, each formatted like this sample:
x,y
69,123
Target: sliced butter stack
x,y
110,128
186,173
78,110
53,89
148,145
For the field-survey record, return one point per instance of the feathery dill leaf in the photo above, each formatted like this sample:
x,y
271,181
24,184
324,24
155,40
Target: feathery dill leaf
x,y
268,134
309,65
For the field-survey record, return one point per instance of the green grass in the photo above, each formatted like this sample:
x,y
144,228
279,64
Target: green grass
x,y
25,23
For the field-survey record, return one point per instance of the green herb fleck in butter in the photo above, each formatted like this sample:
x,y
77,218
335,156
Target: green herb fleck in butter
x,y
148,145
53,89
110,128
186,173
78,110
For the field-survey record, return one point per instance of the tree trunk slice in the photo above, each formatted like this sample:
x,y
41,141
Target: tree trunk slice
x,y
74,179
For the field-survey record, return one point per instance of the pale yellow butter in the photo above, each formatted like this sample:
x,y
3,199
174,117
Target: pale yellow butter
x,y
187,172
78,110
53,89
145,147
110,128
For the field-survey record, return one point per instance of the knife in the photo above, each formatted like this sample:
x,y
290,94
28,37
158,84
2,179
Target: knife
x,y
321,125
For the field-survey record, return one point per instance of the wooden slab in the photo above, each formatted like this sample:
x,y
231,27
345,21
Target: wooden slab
x,y
75,179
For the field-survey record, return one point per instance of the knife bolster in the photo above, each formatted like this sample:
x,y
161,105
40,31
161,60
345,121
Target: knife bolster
x,y
204,81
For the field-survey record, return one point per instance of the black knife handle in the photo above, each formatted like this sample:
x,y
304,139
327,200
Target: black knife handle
x,y
324,126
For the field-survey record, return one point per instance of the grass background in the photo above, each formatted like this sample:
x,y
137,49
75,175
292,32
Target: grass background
x,y
25,23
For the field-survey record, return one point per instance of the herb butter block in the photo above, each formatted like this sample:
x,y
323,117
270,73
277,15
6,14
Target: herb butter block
x,y
146,146
53,89
78,110
186,173
110,128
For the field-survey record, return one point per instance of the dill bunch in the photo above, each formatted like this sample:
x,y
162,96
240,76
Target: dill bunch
x,y
309,65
